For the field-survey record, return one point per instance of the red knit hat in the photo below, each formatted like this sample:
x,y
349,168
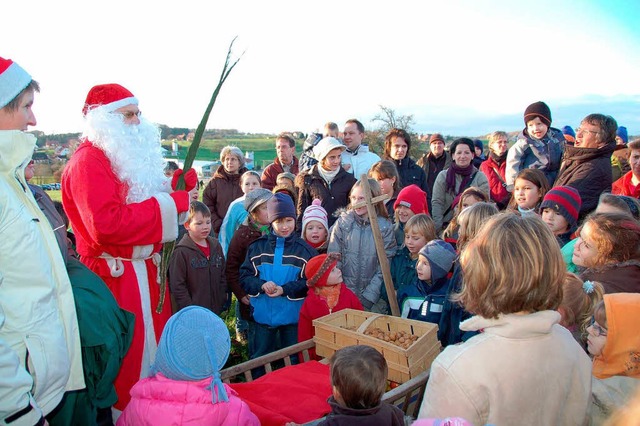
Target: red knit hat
x,y
414,198
109,97
13,80
319,268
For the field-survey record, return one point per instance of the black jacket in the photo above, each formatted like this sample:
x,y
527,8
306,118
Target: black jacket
x,y
411,174
311,185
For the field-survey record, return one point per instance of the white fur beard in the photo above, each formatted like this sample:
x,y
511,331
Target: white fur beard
x,y
134,151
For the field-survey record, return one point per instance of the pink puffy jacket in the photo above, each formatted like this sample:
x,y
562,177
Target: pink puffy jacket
x,y
161,401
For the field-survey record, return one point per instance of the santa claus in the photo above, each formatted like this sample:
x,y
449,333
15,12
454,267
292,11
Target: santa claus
x,y
121,209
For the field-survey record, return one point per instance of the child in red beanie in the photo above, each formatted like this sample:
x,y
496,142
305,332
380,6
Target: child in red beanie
x,y
411,201
327,294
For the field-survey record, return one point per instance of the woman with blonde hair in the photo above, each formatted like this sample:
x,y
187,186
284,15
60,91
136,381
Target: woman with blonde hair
x,y
524,368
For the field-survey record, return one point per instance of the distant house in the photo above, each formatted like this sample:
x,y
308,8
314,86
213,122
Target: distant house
x,y
40,157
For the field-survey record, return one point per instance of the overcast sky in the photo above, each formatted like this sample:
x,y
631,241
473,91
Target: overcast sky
x,y
460,67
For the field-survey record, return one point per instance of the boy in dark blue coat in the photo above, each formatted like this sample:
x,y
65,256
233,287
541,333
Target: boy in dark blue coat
x,y
273,277
423,300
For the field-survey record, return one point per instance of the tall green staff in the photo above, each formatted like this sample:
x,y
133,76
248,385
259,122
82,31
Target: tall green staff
x,y
167,250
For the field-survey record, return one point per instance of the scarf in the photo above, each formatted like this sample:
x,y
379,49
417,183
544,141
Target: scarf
x,y
499,159
264,229
327,175
330,294
316,245
454,170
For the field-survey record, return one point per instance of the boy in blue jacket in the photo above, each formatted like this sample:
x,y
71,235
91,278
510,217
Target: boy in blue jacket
x,y
273,277
423,300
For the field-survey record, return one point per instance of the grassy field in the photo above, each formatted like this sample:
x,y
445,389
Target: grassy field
x,y
263,148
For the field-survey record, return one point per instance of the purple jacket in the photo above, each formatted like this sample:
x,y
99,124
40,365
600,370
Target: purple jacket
x,y
160,401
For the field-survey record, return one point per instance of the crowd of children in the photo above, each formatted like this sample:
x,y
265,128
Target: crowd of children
x,y
494,284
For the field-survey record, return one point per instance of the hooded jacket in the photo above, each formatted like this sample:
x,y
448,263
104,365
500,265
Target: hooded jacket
x,y
196,280
589,171
506,375
616,371
352,237
221,190
38,323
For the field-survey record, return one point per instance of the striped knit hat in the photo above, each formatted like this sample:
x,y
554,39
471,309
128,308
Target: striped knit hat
x,y
13,80
565,201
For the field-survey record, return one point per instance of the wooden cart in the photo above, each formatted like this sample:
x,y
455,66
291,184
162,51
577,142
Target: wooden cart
x,y
407,396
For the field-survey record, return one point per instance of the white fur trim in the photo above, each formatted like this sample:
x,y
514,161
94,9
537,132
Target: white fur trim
x,y
12,81
150,345
169,214
115,105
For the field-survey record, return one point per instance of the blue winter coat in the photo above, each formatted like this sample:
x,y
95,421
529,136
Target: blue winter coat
x,y
423,301
283,261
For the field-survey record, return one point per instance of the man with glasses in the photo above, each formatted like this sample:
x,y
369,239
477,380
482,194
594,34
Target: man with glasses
x,y
586,166
121,209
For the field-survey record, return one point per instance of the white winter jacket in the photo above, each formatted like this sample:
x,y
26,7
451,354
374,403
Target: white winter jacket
x,y
38,323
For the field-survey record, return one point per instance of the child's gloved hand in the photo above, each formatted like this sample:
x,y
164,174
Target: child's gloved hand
x,y
190,179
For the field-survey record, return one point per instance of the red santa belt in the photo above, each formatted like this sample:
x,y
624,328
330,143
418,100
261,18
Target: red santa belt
x,y
116,265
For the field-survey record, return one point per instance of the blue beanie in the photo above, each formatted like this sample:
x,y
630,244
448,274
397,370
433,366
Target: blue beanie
x,y
622,133
568,130
279,206
441,256
194,345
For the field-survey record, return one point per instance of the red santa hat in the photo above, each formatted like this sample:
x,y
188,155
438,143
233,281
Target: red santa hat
x,y
108,97
13,80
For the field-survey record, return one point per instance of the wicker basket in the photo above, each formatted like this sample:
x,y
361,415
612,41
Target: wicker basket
x,y
331,334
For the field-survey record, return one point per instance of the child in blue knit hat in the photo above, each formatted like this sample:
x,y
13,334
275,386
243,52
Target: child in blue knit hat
x,y
424,298
273,277
185,386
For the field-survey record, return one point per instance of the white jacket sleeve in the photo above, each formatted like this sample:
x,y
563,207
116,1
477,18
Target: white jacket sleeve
x,y
17,406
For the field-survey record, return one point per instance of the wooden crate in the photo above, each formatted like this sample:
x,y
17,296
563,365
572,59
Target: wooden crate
x,y
331,334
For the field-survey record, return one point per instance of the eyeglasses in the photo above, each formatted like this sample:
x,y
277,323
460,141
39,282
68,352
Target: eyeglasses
x,y
581,130
128,115
597,328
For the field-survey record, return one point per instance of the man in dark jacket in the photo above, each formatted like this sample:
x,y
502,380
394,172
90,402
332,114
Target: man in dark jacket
x,y
586,166
285,161
435,161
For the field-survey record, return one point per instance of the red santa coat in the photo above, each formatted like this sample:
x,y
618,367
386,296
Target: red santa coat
x,y
120,242
315,307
